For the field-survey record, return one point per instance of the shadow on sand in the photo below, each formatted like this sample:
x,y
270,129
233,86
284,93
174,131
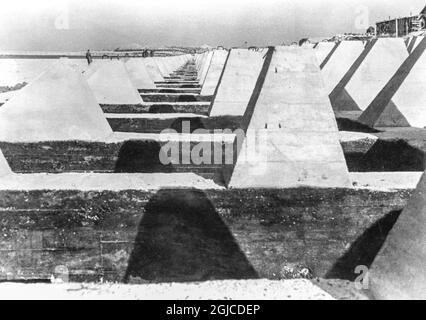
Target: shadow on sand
x,y
364,250
142,157
161,108
388,156
183,125
182,238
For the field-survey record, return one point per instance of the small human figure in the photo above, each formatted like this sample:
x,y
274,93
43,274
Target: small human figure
x,y
89,57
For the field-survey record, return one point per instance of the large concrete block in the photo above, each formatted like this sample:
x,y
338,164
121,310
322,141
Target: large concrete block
x,y
291,135
139,74
111,84
214,72
339,63
403,100
398,271
153,70
59,105
237,84
369,74
323,50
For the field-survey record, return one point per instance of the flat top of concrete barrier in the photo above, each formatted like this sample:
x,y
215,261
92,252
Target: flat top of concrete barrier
x,y
80,65
111,84
139,74
92,68
106,181
402,102
59,105
295,289
4,166
291,136
339,63
214,72
205,67
398,271
152,69
165,72
292,82
237,83
368,75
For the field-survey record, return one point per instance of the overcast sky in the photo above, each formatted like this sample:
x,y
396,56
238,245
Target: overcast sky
x,y
96,24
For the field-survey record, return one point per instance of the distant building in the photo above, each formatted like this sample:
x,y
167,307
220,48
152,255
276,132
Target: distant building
x,y
402,26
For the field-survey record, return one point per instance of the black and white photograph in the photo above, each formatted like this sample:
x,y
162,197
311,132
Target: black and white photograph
x,y
200,150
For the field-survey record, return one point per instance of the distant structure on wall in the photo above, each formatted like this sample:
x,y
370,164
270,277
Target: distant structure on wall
x,y
402,26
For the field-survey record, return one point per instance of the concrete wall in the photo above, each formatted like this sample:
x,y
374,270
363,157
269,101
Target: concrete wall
x,y
398,270
214,72
195,235
340,62
237,83
291,137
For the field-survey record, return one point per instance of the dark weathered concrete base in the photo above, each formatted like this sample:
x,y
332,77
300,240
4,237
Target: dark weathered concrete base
x,y
191,107
158,125
189,235
166,90
170,97
136,156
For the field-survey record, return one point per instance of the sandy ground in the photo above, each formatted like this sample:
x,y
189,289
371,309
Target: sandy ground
x,y
105,181
416,137
381,181
385,181
6,96
344,136
210,290
349,136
